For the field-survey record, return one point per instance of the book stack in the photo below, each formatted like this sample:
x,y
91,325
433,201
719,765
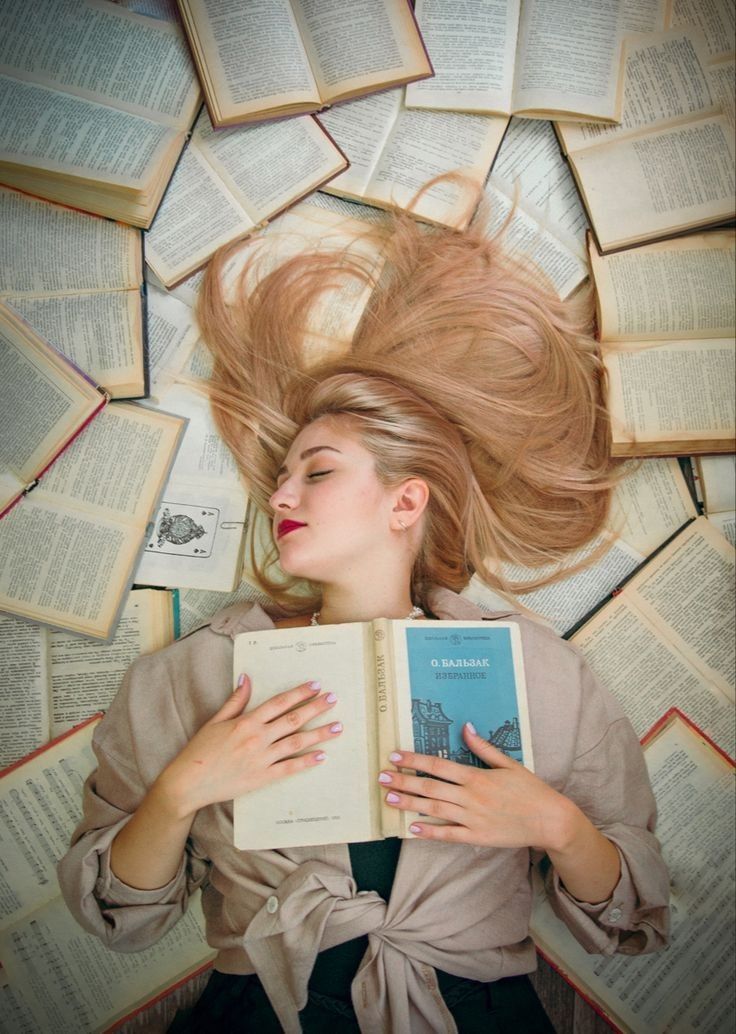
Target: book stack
x,y
602,138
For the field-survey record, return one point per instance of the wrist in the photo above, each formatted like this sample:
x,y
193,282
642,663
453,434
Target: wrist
x,y
171,800
568,829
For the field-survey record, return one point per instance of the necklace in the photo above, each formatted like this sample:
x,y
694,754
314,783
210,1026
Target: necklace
x,y
415,612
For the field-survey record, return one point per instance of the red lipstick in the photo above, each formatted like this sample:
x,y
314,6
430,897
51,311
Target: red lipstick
x,y
284,527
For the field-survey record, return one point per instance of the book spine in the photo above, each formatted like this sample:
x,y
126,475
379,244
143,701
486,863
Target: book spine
x,y
385,698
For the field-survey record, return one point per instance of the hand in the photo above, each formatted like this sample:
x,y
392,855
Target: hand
x,y
504,806
237,751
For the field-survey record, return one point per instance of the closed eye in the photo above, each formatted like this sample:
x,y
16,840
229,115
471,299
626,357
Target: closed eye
x,y
318,474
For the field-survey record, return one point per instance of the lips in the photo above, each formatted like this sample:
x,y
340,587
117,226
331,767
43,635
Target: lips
x,y
284,527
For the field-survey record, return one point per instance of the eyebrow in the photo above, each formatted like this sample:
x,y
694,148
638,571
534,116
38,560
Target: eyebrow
x,y
305,455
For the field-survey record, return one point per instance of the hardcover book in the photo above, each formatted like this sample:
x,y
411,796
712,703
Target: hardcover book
x,y
407,685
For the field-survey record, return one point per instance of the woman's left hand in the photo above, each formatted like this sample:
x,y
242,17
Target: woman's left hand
x,y
505,805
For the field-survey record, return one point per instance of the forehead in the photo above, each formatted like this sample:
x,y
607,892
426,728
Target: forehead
x,y
327,431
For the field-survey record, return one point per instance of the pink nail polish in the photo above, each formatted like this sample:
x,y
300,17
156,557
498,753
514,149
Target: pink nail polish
x,y
384,777
392,798
471,728
394,756
415,829
331,698
241,679
336,727
321,756
315,686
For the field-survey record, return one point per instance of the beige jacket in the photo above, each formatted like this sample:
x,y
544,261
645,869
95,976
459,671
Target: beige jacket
x,y
461,909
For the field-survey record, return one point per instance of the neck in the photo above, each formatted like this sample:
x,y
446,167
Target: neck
x,y
341,603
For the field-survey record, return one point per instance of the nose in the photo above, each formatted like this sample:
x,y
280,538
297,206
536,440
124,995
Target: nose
x,y
284,497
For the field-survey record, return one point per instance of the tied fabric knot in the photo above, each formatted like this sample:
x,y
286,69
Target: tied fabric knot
x,y
318,908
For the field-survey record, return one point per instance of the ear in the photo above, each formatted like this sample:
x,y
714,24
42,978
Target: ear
x,y
410,502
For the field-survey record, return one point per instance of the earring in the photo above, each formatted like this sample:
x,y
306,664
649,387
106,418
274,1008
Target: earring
x,y
403,526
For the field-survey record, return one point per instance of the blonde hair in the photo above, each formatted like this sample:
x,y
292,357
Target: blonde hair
x,y
465,370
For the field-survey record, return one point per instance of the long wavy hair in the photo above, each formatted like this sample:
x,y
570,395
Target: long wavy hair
x,y
465,370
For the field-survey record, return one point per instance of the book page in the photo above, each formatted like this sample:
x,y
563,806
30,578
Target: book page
x,y
358,45
269,167
360,129
716,18
473,48
725,523
117,466
43,129
529,240
197,216
254,60
717,476
644,15
666,79
63,250
24,676
530,160
690,985
172,334
88,983
98,51
569,58
198,606
101,332
650,503
425,144
683,288
341,658
85,675
688,588
673,391
722,83
655,185
41,805
43,400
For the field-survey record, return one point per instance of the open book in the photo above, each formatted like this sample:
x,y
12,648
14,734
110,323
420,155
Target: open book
x,y
68,550
230,182
525,57
56,976
95,105
716,477
78,281
669,167
407,685
666,639
689,986
394,152
45,401
666,318
54,680
290,57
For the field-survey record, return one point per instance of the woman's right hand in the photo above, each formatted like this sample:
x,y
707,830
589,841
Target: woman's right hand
x,y
237,750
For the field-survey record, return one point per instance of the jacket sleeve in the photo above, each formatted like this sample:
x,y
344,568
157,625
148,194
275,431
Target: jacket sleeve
x,y
610,784
124,918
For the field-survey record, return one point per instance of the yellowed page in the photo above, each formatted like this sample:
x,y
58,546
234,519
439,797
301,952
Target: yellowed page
x,y
60,133
269,167
102,332
425,144
98,51
24,675
63,250
85,675
251,56
361,129
43,400
41,805
690,985
651,503
722,83
172,335
570,59
666,80
725,523
473,48
359,45
659,184
87,979
717,476
673,391
717,19
683,288
311,813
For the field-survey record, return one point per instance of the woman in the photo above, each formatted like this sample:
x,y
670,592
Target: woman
x,y
464,429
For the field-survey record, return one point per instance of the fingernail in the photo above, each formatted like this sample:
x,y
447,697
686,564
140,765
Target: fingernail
x,y
384,777
315,686
321,756
415,829
336,727
331,698
392,798
394,756
241,679
471,728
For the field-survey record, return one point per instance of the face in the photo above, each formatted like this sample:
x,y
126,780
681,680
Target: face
x,y
332,516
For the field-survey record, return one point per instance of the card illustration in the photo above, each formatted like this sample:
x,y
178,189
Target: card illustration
x,y
184,530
